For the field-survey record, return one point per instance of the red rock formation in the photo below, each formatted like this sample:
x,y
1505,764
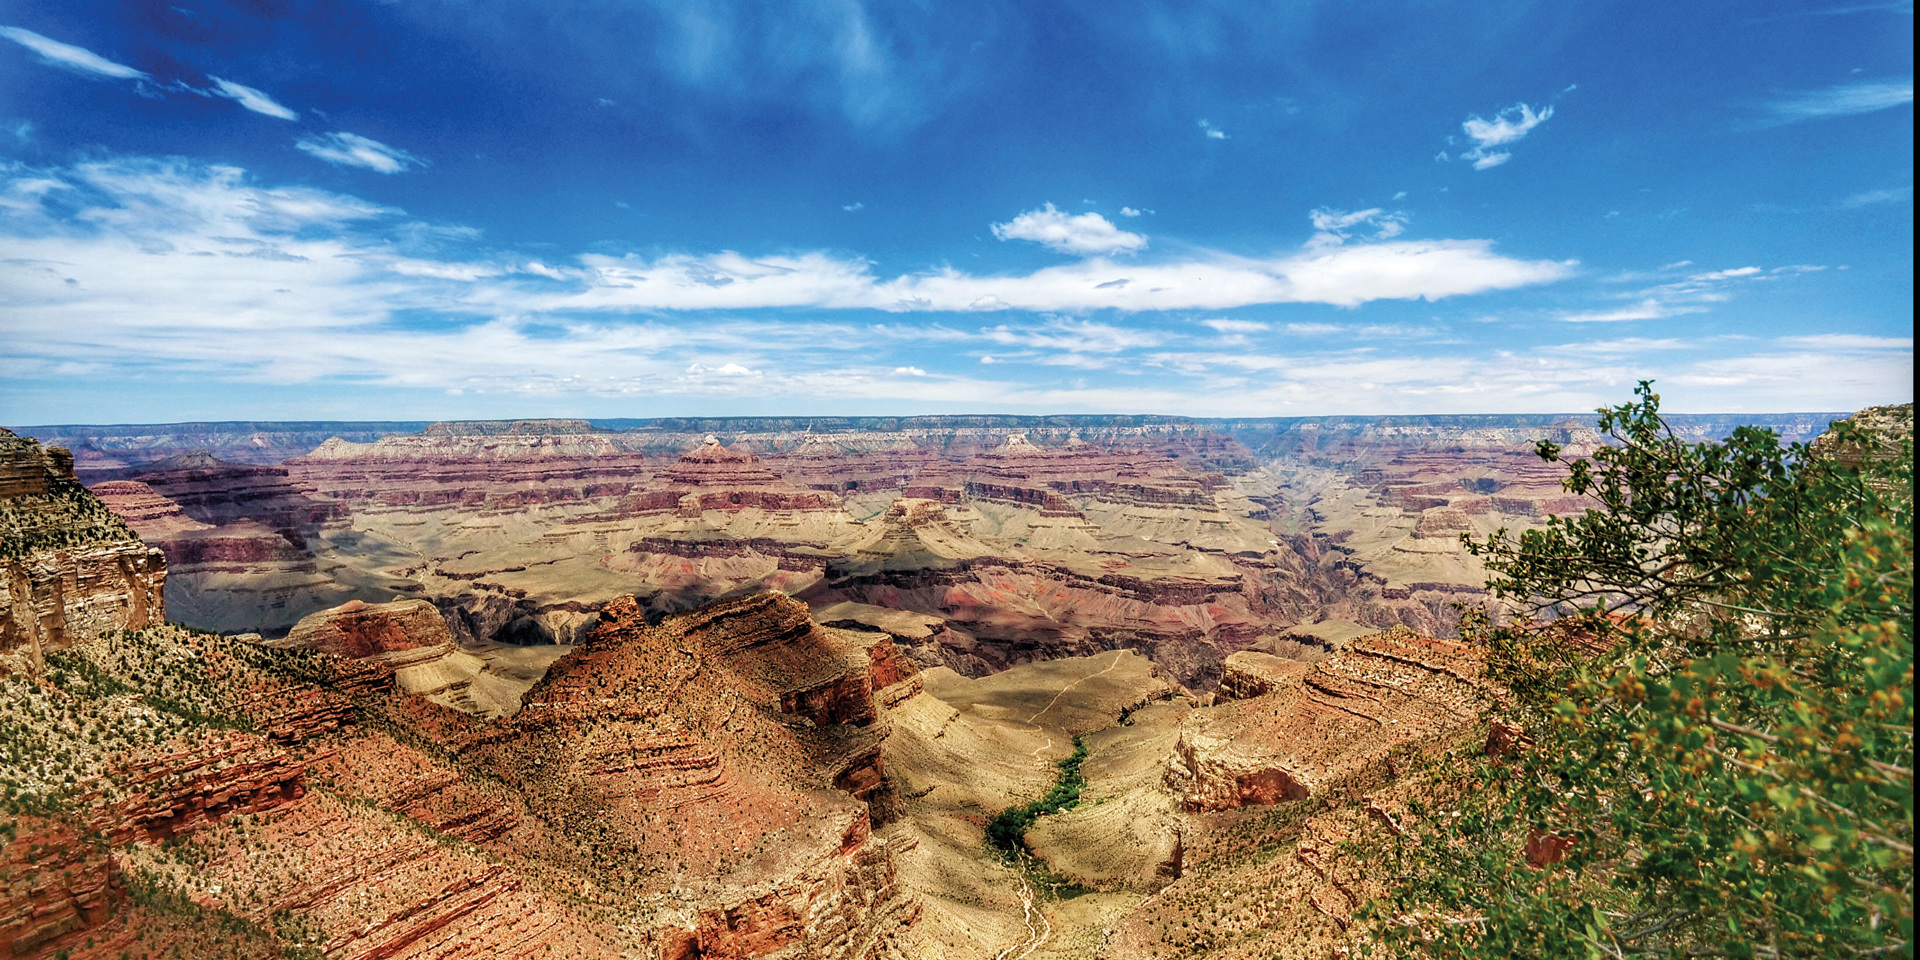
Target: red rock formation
x,y
69,568
1021,472
1343,717
717,477
359,629
216,493
1248,674
619,748
475,465
820,464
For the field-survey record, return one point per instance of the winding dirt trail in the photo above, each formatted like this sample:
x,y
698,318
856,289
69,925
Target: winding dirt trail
x,y
1117,656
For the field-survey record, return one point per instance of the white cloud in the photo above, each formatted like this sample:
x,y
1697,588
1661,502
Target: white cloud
x,y
851,207
1868,198
188,273
157,206
353,150
1235,326
180,269
910,371
1087,233
74,58
253,100
1849,341
1844,100
1691,294
1212,132
1129,212
1508,126
1647,309
1334,227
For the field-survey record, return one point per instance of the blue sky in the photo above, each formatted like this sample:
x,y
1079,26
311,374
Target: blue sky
x,y
420,209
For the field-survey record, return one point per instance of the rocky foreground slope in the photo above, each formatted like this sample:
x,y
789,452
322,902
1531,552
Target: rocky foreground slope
x,y
702,787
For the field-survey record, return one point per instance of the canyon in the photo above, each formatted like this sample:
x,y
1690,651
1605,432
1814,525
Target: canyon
x,y
1029,538
686,689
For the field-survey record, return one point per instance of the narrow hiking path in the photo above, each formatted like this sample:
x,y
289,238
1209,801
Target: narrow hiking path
x,y
1117,656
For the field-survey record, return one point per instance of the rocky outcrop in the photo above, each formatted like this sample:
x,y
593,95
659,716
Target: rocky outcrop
x,y
713,476
1890,426
69,568
721,755
359,629
1249,673
409,641
1341,719
494,465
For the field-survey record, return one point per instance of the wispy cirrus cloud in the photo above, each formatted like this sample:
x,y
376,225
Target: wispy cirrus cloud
x,y
1335,227
1083,234
1695,292
353,150
80,59
1842,100
1869,198
252,99
1651,308
1509,126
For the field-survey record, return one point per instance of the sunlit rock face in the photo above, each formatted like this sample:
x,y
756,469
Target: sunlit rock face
x,y
1326,724
69,567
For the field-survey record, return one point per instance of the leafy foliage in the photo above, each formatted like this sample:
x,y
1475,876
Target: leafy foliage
x,y
1007,831
1721,721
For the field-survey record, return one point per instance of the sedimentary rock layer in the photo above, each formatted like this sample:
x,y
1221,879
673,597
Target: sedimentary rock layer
x,y
69,568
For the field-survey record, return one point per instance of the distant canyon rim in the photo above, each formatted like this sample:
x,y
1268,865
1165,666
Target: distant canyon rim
x,y
1010,539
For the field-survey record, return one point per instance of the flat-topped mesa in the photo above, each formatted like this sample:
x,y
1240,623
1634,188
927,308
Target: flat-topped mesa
x,y
1338,720
360,629
215,492
69,568
713,476
520,440
505,428
1079,468
487,465
819,463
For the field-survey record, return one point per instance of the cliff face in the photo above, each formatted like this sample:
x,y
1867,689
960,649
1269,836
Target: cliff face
x,y
1313,727
719,763
69,568
697,789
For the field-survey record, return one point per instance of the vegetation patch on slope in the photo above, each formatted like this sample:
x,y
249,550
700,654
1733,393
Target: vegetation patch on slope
x,y
1718,747
64,516
1007,831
